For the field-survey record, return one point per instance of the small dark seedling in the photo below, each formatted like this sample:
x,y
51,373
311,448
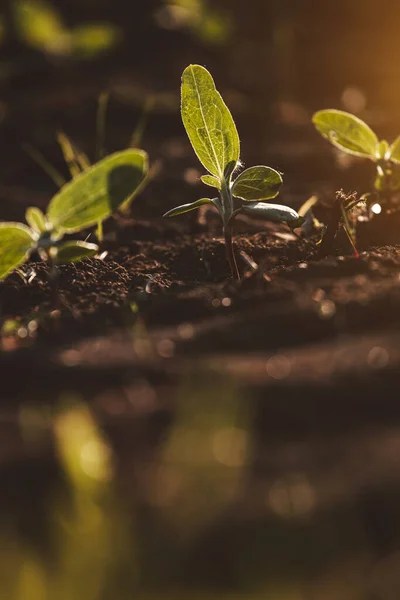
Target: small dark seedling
x,y
87,200
337,219
214,137
351,135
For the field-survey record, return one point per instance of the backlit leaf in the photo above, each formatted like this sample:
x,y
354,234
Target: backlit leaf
x,y
16,241
36,219
184,208
257,183
211,181
208,122
74,251
347,132
96,194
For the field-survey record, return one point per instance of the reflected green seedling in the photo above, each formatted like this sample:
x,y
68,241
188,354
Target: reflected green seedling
x,y
353,136
85,201
215,140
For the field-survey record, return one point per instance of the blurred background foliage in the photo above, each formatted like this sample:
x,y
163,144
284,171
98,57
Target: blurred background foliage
x,y
275,62
119,496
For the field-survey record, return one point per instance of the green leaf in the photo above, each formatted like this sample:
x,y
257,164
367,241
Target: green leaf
x,y
39,25
36,219
382,151
16,242
208,122
96,194
184,208
211,181
257,183
347,132
74,251
394,150
94,38
278,213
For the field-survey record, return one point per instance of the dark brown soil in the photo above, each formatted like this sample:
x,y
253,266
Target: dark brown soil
x,y
180,283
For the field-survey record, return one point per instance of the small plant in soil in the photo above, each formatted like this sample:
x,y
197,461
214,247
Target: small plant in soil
x,y
351,135
337,220
87,200
214,137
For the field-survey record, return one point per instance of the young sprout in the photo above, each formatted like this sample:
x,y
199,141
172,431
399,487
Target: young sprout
x,y
91,197
351,135
214,137
337,219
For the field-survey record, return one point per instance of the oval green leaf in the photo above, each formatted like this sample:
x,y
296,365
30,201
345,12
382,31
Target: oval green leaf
x,y
394,150
96,194
208,122
16,242
184,208
278,213
211,181
347,132
74,251
257,183
36,219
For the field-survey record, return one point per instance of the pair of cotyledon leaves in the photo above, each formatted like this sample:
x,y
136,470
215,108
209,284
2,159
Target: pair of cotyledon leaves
x,y
89,198
215,140
353,136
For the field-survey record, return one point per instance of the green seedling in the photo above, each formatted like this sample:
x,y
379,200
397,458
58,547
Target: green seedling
x,y
351,135
214,137
77,161
91,197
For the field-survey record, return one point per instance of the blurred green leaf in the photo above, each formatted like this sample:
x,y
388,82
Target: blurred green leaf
x,y
347,132
39,25
36,219
395,150
74,251
211,181
208,122
382,150
16,241
93,39
211,25
97,193
184,208
257,183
